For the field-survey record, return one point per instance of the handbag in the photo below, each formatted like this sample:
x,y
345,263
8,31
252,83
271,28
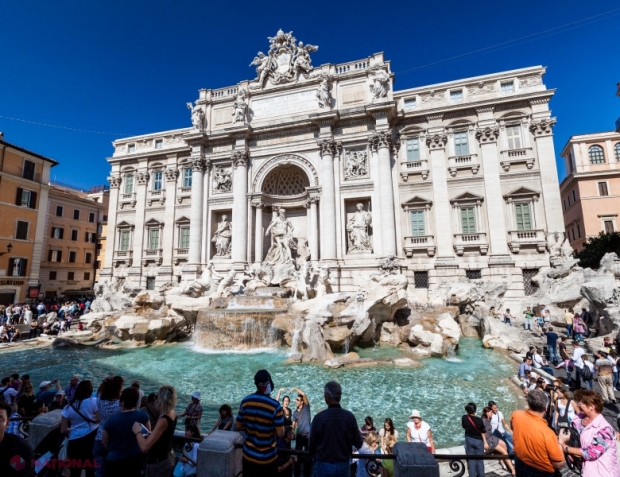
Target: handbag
x,y
563,419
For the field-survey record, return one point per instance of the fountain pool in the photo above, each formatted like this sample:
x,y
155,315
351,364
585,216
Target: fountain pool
x,y
439,389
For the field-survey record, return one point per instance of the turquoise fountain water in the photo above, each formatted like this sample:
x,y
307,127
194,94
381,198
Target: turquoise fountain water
x,y
439,389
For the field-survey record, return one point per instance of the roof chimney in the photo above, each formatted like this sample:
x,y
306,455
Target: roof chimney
x,y
1,136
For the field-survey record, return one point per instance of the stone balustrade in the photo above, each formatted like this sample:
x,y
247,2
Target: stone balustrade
x,y
419,243
469,161
517,156
409,168
520,238
472,241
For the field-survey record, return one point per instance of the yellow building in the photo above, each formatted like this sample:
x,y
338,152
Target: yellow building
x,y
24,176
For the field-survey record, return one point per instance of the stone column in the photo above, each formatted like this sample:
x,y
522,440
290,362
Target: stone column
x,y
111,240
258,233
141,184
167,240
192,269
327,149
551,200
240,209
313,236
382,142
498,239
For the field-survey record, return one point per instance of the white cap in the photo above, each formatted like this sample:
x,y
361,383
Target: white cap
x,y
196,395
44,383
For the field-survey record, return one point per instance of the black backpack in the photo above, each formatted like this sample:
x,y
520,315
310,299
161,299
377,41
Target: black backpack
x,y
586,373
573,462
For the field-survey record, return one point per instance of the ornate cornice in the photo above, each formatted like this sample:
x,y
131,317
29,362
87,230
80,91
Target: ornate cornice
x,y
172,173
328,147
115,181
240,158
437,141
542,127
487,135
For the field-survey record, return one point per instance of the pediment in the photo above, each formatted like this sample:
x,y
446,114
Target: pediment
x,y
182,220
467,197
153,222
416,202
522,192
125,225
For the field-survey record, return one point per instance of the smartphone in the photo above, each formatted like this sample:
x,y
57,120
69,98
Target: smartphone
x,y
145,431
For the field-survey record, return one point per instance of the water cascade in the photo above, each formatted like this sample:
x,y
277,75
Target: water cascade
x,y
347,342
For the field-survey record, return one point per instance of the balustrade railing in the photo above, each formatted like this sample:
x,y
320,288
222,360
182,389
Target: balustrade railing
x,y
353,66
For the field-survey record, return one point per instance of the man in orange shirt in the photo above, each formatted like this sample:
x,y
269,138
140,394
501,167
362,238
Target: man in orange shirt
x,y
538,453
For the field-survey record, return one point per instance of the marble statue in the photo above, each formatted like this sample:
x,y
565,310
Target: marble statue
x,y
554,243
323,95
323,283
263,66
222,179
357,230
303,63
301,282
224,287
222,238
356,164
281,230
198,116
240,107
380,84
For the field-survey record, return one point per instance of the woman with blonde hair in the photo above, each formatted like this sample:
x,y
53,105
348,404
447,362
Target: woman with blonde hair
x,y
370,446
158,444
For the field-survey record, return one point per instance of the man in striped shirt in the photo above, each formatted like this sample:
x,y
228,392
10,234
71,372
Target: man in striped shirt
x,y
262,418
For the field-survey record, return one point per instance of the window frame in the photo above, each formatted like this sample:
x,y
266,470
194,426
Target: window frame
x,y
55,256
91,215
151,232
158,181
514,138
603,188
521,205
415,150
121,236
458,148
129,183
34,169
182,229
420,213
504,84
72,255
74,233
131,148
407,104
596,155
19,264
159,144
61,209
88,257
472,208
71,276
53,275
456,96
187,178
617,151
86,275
17,223
74,214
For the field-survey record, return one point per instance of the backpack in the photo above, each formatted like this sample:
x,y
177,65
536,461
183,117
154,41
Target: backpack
x,y
2,397
573,462
586,373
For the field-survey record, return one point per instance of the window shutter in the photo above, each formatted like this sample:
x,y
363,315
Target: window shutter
x,y
62,232
23,266
468,221
52,234
417,223
49,256
9,272
85,236
18,197
33,200
60,255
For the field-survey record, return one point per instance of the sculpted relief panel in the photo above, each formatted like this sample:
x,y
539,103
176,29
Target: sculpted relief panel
x,y
356,164
222,179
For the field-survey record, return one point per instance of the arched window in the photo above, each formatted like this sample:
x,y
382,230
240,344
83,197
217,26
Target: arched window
x,y
617,151
597,156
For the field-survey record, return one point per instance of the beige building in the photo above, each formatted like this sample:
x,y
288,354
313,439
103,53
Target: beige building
x,y
100,194
24,176
591,191
456,179
70,247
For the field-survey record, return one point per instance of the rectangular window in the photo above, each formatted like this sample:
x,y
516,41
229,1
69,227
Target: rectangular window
x,y
184,237
92,237
128,184
609,227
91,217
59,211
513,133
420,279
88,258
473,274
17,267
150,283
602,189
86,275
153,239
568,197
72,257
523,216
410,104
21,233
28,172
54,256
157,180
131,148
23,197
578,231
71,276
57,232
52,275
456,96
413,149
507,87
461,145
76,214
124,240
468,220
74,235
528,285
417,223
564,202
159,143
187,177
574,196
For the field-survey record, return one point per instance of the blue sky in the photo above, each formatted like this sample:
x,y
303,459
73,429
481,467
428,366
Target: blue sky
x,y
128,67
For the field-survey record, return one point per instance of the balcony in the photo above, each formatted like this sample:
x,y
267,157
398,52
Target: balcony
x,y
419,243
183,192
123,256
474,241
470,161
517,156
410,168
127,200
526,238
155,255
180,255
156,196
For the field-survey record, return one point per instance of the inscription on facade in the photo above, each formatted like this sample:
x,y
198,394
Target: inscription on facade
x,y
284,105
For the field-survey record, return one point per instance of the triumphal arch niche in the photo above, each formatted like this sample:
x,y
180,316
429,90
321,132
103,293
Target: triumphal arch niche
x,y
330,164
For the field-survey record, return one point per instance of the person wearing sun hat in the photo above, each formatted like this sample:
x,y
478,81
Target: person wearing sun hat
x,y
193,412
262,418
420,431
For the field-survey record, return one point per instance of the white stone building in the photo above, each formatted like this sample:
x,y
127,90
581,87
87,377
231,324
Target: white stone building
x,y
458,179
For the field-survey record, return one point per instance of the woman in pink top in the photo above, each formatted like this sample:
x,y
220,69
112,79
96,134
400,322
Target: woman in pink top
x,y
598,438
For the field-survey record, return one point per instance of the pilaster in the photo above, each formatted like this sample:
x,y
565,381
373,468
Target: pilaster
x,y
327,149
142,179
240,208
115,181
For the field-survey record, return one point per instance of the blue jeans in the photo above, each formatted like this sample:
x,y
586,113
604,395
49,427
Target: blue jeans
x,y
615,383
474,447
547,369
553,353
99,454
588,383
569,330
579,337
331,469
507,321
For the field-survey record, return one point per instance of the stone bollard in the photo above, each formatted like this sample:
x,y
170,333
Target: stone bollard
x,y
217,455
414,459
42,425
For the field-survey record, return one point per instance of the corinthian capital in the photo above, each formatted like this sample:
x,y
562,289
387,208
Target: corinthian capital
x,y
381,139
198,164
542,127
115,181
240,158
142,178
327,147
172,173
437,141
487,135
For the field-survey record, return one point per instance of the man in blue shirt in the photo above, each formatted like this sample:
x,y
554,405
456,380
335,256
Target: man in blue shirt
x,y
552,344
301,424
45,394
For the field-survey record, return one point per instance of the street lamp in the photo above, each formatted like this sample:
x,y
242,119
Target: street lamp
x,y
9,247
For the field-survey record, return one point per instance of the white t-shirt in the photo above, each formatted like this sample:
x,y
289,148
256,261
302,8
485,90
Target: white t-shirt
x,y
419,435
10,394
496,422
80,427
577,354
382,433
537,361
